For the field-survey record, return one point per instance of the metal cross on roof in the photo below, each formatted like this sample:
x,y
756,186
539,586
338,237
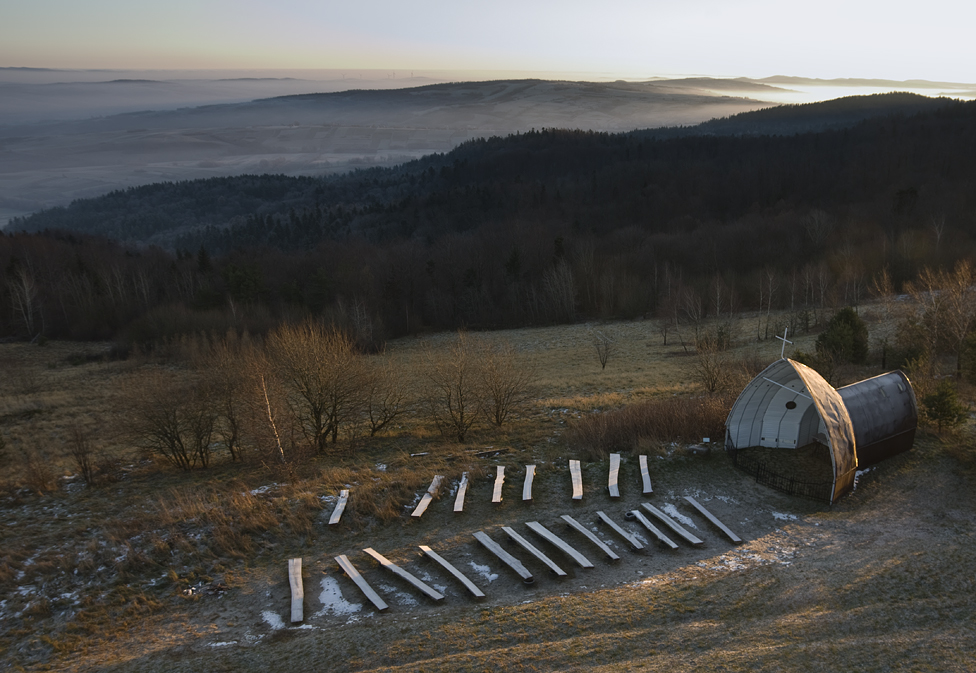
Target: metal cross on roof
x,y
782,352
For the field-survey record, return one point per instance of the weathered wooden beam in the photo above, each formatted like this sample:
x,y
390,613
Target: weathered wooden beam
x,y
655,531
532,549
363,585
614,473
297,590
671,523
462,489
468,584
428,496
339,508
576,525
496,494
559,543
711,517
527,487
403,574
574,470
504,556
645,476
631,540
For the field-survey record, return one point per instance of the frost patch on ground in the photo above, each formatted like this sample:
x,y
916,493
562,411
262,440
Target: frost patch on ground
x,y
858,474
784,517
673,512
273,620
332,600
260,490
405,599
779,548
484,571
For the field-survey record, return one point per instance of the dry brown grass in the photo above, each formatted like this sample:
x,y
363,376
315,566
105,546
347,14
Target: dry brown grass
x,y
675,420
125,550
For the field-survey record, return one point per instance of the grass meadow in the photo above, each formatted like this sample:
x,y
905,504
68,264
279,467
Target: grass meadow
x,y
156,569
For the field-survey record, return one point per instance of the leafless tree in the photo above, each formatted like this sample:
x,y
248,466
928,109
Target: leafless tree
x,y
604,345
884,291
560,291
385,394
81,447
711,366
322,374
452,392
507,380
24,295
945,304
172,417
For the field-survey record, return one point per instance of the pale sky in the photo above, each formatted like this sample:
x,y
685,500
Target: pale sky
x,y
894,39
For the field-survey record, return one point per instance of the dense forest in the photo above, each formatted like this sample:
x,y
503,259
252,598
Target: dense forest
x,y
747,213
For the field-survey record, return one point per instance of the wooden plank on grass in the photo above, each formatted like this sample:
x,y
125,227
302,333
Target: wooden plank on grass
x,y
367,590
574,470
535,551
573,523
631,540
527,487
504,556
435,486
496,494
671,523
711,517
645,476
614,473
462,489
559,543
654,529
468,584
297,591
403,574
339,508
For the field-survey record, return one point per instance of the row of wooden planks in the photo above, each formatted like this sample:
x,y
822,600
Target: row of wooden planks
x,y
496,495
514,563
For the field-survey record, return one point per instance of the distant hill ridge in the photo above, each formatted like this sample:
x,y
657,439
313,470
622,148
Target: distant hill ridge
x,y
650,178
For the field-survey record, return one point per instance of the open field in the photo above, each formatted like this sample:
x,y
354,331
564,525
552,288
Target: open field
x,y
158,571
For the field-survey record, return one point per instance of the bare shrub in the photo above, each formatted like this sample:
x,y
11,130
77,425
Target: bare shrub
x,y
322,375
675,419
38,475
385,397
171,417
507,380
81,448
604,346
453,392
226,365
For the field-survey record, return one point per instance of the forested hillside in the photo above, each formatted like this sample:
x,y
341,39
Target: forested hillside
x,y
538,227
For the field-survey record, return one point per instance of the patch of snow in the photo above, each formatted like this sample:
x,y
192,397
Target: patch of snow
x,y
380,467
306,627
784,517
641,538
484,571
673,512
332,600
263,489
859,473
231,642
405,599
273,620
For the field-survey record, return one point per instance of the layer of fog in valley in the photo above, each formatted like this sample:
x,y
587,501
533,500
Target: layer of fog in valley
x,y
67,134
